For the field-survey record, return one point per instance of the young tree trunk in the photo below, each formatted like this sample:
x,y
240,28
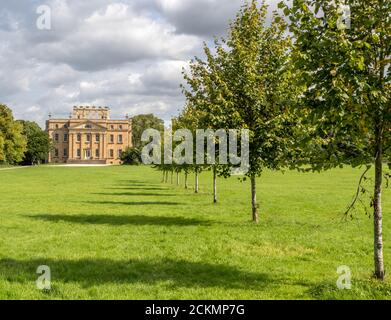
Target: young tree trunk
x,y
186,186
177,178
166,176
172,177
254,200
378,215
214,185
164,173
196,181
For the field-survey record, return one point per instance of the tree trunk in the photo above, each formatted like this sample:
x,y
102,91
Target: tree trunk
x,y
177,178
172,177
196,181
214,185
254,200
164,173
186,186
166,176
378,215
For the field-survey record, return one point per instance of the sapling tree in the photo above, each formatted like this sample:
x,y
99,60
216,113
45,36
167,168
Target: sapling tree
x,y
246,83
343,50
190,118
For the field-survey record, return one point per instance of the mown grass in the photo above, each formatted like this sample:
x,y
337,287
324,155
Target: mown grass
x,y
119,233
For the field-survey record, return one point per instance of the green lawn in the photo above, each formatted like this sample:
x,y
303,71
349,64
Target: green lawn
x,y
118,233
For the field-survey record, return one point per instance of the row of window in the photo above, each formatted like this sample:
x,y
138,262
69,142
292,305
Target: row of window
x,y
65,153
112,127
57,137
88,126
88,138
64,126
87,153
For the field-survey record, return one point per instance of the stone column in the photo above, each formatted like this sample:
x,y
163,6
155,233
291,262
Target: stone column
x,y
93,142
89,144
82,143
100,146
104,146
70,145
79,145
96,133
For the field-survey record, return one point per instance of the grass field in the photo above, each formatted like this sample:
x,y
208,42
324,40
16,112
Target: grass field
x,y
118,233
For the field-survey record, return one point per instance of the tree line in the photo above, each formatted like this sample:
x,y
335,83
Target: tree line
x,y
312,88
25,143
21,142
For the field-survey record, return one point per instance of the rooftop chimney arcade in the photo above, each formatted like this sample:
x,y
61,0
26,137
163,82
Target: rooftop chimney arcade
x,y
91,113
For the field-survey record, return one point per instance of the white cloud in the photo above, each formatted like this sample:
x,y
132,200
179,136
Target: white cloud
x,y
202,17
114,36
33,109
125,54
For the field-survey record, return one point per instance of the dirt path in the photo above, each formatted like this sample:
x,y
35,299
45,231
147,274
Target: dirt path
x,y
13,168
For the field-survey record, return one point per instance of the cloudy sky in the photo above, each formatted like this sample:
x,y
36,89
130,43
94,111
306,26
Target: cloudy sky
x,y
125,54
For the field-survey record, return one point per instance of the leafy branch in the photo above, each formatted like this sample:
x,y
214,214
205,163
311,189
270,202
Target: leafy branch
x,y
361,190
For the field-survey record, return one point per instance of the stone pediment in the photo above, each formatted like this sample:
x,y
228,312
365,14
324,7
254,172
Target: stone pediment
x,y
87,125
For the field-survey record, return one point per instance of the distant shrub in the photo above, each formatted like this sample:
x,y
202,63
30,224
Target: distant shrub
x,y
131,156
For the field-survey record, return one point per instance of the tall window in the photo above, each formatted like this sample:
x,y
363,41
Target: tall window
x,y
120,138
111,153
111,138
65,153
97,153
119,153
88,137
78,153
65,137
56,137
56,152
120,127
97,138
78,138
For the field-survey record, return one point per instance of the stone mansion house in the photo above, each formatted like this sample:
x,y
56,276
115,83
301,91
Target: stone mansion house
x,y
89,136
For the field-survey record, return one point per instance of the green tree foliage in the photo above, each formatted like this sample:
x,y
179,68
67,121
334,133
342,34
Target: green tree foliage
x,y
191,119
141,123
345,70
12,141
247,84
131,156
2,151
38,143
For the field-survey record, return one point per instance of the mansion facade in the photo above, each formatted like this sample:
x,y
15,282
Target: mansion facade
x,y
89,136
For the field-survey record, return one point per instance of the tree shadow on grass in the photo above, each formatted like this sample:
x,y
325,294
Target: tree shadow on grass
x,y
122,220
144,194
131,181
179,273
140,188
135,203
136,183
